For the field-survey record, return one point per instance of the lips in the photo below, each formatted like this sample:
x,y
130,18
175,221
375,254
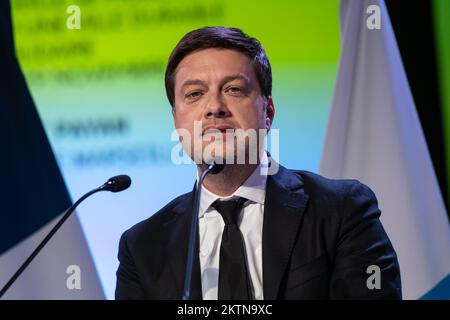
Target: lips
x,y
221,128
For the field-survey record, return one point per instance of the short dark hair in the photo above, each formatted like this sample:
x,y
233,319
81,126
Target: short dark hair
x,y
224,38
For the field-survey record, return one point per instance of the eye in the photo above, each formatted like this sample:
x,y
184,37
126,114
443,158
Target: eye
x,y
235,90
193,95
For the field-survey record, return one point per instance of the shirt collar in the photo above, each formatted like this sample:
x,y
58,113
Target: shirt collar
x,y
253,189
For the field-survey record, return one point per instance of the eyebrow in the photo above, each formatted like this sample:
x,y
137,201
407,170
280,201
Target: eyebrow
x,y
193,82
222,82
234,77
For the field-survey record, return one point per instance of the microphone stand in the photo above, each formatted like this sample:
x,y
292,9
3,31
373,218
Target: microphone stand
x,y
212,168
111,185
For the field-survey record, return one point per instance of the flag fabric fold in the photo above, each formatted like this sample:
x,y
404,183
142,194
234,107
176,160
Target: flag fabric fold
x,y
374,135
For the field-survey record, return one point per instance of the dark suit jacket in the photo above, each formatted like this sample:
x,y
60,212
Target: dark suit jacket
x,y
319,238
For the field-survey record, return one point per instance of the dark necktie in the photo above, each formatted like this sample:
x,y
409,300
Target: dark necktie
x,y
234,280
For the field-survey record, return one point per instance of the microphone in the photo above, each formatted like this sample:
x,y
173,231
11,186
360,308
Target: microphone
x,y
117,183
214,167
114,184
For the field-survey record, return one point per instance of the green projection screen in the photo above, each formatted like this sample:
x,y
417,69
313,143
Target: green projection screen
x,y
442,26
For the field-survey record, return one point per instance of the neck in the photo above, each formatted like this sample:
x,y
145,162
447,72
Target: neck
x,y
229,179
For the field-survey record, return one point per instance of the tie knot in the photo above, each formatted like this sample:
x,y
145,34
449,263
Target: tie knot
x,y
229,209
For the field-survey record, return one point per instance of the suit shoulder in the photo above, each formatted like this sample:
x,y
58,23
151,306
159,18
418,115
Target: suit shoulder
x,y
152,224
341,199
324,188
315,181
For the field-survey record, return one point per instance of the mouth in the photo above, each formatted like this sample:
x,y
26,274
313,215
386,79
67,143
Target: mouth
x,y
212,129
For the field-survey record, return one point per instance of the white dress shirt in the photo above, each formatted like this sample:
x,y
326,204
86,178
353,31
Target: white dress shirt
x,y
250,223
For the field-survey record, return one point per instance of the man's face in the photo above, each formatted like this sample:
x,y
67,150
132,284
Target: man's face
x,y
218,87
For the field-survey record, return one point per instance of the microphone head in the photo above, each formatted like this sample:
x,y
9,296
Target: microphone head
x,y
217,167
117,183
217,164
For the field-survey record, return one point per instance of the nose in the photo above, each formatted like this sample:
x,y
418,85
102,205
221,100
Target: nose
x,y
216,108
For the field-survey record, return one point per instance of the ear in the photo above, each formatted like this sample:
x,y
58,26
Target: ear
x,y
270,113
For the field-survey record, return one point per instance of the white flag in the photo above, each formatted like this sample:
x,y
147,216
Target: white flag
x,y
64,269
374,135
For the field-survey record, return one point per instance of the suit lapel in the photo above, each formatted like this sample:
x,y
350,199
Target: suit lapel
x,y
283,212
177,228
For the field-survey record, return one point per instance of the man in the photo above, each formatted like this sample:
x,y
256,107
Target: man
x,y
287,235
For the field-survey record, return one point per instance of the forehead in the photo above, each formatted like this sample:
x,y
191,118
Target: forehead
x,y
213,62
